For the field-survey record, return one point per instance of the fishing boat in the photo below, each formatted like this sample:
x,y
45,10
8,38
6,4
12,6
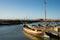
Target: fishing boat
x,y
54,33
33,29
51,35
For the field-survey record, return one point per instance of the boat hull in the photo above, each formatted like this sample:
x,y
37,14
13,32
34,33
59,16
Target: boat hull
x,y
33,32
52,35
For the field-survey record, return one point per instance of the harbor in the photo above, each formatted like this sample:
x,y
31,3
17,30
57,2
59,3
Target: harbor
x,y
29,20
16,32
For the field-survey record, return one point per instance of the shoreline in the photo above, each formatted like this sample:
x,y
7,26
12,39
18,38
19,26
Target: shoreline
x,y
16,22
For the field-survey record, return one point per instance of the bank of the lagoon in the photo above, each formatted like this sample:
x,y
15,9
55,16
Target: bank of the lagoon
x,y
15,32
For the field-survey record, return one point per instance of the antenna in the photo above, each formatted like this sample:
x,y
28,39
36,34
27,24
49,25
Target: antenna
x,y
45,9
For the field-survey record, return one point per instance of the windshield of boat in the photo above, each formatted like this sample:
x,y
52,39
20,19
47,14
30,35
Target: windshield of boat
x,y
45,24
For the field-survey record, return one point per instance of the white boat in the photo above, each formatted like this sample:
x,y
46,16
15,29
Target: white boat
x,y
55,33
33,29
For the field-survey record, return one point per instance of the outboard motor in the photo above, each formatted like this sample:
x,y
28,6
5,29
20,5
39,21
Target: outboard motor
x,y
25,26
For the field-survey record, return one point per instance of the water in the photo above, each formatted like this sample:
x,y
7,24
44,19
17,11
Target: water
x,y
15,32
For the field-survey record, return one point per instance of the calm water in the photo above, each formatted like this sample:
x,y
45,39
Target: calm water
x,y
15,32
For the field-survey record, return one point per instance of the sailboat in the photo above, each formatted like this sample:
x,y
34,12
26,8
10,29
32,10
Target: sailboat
x,y
52,32
33,29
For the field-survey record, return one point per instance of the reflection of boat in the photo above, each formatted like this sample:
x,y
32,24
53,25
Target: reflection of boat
x,y
32,36
33,29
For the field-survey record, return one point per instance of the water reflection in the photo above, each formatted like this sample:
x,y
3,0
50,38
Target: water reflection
x,y
32,37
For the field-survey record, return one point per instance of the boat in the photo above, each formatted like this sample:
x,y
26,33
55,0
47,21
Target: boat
x,y
54,33
33,29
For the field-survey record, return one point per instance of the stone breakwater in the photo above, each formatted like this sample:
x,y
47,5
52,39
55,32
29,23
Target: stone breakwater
x,y
14,22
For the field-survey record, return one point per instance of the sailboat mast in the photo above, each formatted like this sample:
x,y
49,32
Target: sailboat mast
x,y
45,9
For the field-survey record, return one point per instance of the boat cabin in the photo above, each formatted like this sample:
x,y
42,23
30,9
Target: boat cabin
x,y
57,29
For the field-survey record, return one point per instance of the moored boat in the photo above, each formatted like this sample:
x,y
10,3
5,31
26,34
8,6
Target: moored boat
x,y
54,33
33,29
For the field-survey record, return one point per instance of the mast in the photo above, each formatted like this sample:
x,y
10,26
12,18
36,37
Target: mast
x,y
45,9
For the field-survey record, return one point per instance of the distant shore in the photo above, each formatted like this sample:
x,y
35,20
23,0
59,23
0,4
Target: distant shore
x,y
10,22
16,22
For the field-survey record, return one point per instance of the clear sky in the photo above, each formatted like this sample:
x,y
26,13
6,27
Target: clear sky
x,y
29,9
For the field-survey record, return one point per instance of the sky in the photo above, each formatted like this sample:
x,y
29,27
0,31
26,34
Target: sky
x,y
29,9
